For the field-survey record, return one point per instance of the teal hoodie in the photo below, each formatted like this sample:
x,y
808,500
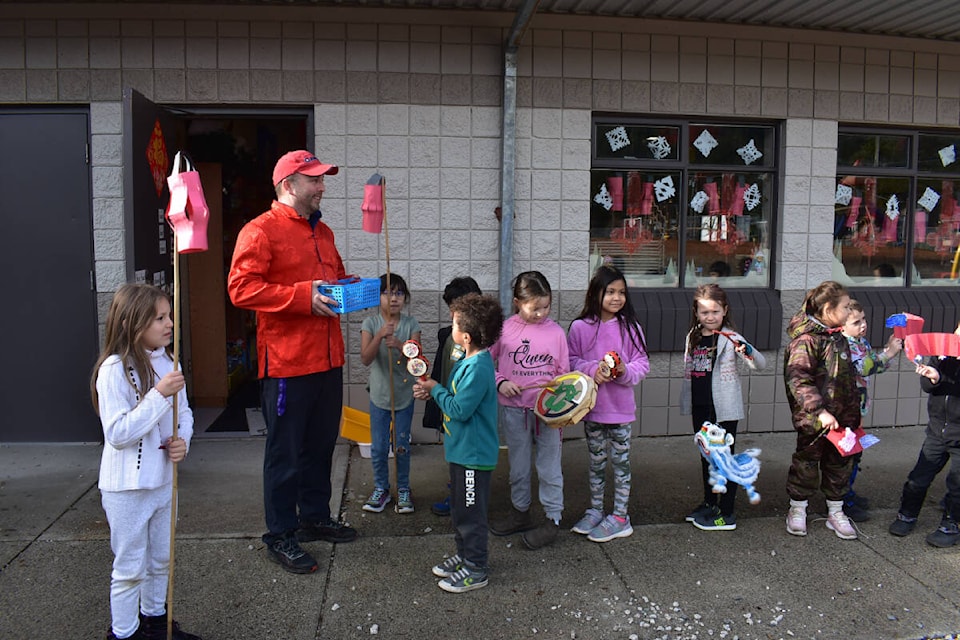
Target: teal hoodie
x,y
469,409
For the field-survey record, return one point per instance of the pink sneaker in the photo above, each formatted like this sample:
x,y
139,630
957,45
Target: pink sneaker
x,y
839,523
797,521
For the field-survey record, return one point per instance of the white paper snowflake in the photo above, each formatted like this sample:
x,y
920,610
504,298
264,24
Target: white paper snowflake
x,y
705,143
604,198
948,155
751,197
700,199
893,207
664,189
617,138
844,193
929,199
659,147
749,152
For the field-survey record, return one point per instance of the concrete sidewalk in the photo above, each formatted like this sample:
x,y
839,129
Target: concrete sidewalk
x,y
669,580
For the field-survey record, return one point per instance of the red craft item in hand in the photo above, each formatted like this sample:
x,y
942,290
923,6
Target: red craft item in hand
x,y
919,345
847,441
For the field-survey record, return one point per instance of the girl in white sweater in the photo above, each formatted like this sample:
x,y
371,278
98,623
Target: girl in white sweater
x,y
133,386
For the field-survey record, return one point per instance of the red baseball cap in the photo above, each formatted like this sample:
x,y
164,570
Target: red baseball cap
x,y
301,162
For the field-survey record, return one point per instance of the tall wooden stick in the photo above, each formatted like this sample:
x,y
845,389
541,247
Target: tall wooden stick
x,y
393,411
176,423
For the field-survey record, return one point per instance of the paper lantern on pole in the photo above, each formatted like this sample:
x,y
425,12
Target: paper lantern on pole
x,y
187,211
373,204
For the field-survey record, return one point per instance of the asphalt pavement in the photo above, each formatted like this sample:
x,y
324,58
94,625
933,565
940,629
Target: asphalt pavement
x,y
668,580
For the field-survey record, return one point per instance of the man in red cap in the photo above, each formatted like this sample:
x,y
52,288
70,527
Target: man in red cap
x,y
281,258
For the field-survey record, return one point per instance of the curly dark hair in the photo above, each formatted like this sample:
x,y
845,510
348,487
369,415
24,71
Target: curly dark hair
x,y
480,317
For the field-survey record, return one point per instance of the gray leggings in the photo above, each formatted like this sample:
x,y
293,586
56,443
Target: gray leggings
x,y
609,442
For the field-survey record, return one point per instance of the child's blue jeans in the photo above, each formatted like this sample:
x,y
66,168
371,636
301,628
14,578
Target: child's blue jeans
x,y
380,445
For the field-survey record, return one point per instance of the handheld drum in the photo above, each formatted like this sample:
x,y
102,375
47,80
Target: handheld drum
x,y
417,364
418,367
568,398
609,363
411,349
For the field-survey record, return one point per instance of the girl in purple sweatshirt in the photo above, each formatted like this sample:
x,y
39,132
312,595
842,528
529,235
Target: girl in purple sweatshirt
x,y
607,343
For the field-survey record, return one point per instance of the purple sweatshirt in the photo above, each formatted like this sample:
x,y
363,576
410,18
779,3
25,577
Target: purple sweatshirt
x,y
527,355
589,341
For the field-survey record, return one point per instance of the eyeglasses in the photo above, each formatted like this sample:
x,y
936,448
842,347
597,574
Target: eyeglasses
x,y
393,294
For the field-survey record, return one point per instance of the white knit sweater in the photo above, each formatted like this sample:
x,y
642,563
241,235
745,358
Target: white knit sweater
x,y
134,428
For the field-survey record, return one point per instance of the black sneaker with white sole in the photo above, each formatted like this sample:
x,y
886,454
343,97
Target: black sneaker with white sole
x,y
288,553
329,530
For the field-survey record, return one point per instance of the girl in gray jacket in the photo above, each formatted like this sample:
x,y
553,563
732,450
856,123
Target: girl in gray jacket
x,y
711,390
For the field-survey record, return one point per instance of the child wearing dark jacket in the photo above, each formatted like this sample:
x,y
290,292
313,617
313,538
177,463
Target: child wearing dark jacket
x,y
941,381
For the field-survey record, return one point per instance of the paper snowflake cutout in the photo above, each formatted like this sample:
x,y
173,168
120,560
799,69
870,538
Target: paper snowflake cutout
x,y
844,193
659,147
929,199
749,153
893,207
705,143
604,198
700,199
617,138
664,189
751,197
948,155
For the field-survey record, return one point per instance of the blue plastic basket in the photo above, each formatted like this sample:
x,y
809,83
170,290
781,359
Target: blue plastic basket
x,y
353,295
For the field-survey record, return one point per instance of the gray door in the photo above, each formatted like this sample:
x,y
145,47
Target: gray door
x,y
49,319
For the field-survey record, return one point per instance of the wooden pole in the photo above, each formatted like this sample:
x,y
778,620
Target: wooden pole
x,y
176,419
393,411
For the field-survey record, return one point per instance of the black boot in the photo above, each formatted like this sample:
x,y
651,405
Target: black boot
x,y
514,522
155,628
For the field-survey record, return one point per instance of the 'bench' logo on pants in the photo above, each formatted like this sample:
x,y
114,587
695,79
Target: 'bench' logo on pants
x,y
469,488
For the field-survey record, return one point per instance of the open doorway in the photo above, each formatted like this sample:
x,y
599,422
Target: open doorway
x,y
235,156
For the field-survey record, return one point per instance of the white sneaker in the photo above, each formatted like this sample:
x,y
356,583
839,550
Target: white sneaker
x,y
839,523
797,521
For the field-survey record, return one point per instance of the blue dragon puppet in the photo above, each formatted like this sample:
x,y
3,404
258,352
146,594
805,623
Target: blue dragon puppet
x,y
743,468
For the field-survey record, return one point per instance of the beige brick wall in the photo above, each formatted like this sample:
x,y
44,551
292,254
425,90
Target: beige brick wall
x,y
417,98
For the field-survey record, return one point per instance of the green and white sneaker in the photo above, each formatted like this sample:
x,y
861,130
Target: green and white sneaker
x,y
715,521
449,566
464,579
404,501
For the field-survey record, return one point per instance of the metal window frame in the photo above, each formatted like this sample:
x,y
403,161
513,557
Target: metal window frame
x,y
683,166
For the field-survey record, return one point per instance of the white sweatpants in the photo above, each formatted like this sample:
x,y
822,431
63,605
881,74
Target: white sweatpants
x,y
140,539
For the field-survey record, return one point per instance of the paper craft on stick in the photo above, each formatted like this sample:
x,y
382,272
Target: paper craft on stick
x,y
187,211
373,204
920,345
850,441
904,324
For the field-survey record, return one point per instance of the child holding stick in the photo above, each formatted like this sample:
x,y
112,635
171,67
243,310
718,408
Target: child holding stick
x,y
381,336
132,386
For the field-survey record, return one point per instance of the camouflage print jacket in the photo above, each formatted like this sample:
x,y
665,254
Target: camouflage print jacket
x,y
819,374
